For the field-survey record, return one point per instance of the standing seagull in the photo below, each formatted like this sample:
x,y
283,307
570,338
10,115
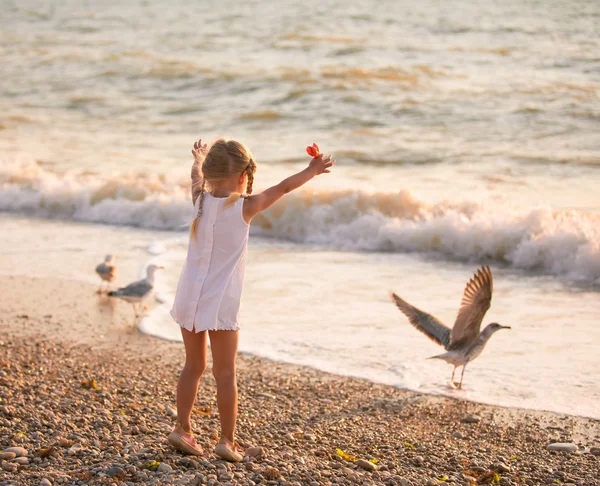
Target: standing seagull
x,y
136,292
463,342
107,272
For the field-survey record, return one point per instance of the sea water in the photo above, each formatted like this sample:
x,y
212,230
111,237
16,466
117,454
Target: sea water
x,y
465,135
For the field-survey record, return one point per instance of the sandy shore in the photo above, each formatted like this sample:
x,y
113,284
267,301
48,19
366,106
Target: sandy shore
x,y
90,399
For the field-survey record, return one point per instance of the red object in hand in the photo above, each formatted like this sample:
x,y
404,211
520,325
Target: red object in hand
x,y
313,150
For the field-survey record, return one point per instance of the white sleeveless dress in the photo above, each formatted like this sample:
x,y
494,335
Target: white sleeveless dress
x,y
210,286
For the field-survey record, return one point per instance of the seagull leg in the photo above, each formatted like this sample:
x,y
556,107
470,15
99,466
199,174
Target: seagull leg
x,y
461,376
135,311
452,384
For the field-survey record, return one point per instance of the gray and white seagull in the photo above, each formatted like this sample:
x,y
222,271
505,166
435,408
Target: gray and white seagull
x,y
464,342
136,292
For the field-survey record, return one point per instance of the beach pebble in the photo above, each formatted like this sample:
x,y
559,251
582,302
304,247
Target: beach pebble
x,y
116,472
254,452
19,451
501,467
10,467
595,451
21,460
271,473
7,456
562,447
432,482
366,465
165,468
45,482
189,463
458,435
266,395
471,419
171,412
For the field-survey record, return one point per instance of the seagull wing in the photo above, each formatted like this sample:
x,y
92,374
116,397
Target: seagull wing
x,y
106,270
426,323
476,300
103,268
137,289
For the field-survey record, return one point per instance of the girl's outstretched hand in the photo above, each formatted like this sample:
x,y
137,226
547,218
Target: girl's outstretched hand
x,y
322,165
199,151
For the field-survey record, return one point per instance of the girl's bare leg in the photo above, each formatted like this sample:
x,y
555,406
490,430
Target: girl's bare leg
x,y
224,346
195,364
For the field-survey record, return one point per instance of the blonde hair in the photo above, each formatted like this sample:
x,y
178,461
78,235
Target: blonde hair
x,y
224,159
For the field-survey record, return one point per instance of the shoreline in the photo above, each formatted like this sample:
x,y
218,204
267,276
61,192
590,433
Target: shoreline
x,y
299,415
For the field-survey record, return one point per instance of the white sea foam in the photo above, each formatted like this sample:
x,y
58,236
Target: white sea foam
x,y
556,242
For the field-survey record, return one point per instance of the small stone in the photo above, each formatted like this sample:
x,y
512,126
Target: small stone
x,y
189,463
366,465
266,395
45,482
432,482
116,472
458,435
271,473
419,460
562,447
21,460
501,467
10,467
471,419
171,412
165,468
7,456
254,452
595,451
19,451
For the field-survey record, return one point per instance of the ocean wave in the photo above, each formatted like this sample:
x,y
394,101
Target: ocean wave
x,y
554,242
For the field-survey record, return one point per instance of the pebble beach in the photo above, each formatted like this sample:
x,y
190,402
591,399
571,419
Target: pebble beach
x,y
87,399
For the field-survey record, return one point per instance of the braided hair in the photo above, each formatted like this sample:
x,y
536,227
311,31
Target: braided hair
x,y
224,159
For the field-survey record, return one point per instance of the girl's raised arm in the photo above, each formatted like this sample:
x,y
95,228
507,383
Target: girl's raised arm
x,y
255,204
199,152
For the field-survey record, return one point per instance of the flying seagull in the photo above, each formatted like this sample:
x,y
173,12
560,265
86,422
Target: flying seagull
x,y
136,292
107,271
464,342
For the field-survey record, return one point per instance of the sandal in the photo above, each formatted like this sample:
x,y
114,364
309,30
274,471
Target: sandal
x,y
183,441
230,451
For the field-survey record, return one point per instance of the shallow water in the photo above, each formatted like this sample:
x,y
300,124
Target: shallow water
x,y
465,135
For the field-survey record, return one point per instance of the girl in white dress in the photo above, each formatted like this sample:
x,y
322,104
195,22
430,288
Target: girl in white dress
x,y
208,295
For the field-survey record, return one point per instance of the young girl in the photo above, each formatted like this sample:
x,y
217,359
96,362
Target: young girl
x,y
209,290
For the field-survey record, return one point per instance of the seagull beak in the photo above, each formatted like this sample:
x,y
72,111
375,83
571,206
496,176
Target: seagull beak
x,y
162,268
505,327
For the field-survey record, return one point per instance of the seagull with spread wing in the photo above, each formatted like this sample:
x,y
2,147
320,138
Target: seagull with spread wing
x,y
464,342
